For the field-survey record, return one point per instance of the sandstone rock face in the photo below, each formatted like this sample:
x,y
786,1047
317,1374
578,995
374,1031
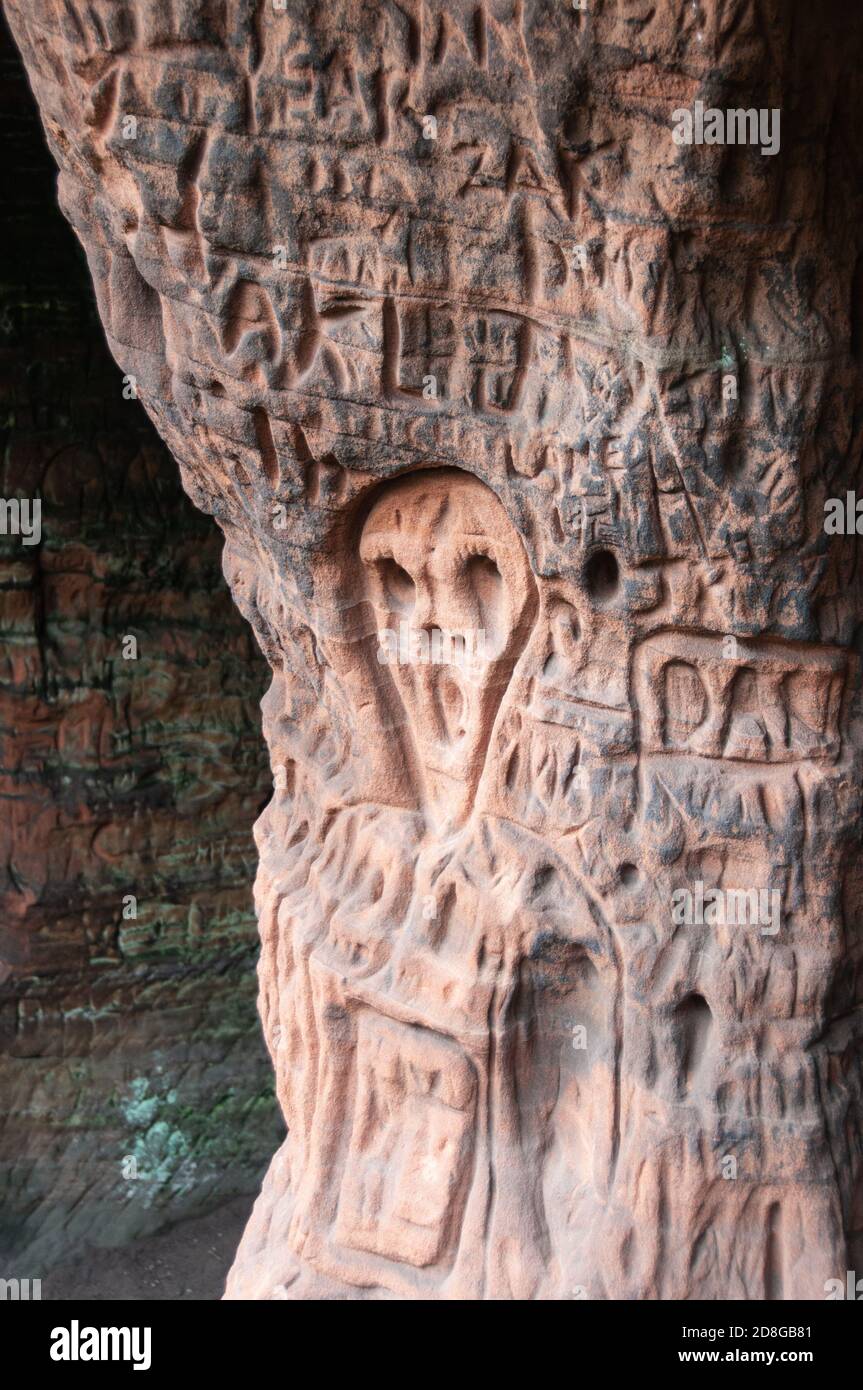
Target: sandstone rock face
x,y
519,418
134,1087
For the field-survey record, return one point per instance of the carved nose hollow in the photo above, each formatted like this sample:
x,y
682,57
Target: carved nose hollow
x,y
430,610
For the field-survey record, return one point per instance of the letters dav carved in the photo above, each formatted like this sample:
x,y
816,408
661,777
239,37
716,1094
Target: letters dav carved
x,y
755,701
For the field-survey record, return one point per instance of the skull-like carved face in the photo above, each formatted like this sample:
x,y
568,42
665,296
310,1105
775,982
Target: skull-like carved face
x,y
451,589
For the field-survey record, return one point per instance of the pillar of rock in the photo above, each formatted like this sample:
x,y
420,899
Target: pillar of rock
x,y
519,414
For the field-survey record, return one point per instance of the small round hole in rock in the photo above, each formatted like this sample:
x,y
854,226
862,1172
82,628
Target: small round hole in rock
x,y
628,875
602,576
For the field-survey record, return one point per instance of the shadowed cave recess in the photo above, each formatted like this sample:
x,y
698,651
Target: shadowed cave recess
x,y
134,1088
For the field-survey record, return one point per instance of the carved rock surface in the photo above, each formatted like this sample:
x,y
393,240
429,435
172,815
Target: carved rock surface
x,y
459,346
122,1040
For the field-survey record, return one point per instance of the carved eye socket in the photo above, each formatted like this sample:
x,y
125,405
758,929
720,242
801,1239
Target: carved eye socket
x,y
398,588
486,585
484,573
